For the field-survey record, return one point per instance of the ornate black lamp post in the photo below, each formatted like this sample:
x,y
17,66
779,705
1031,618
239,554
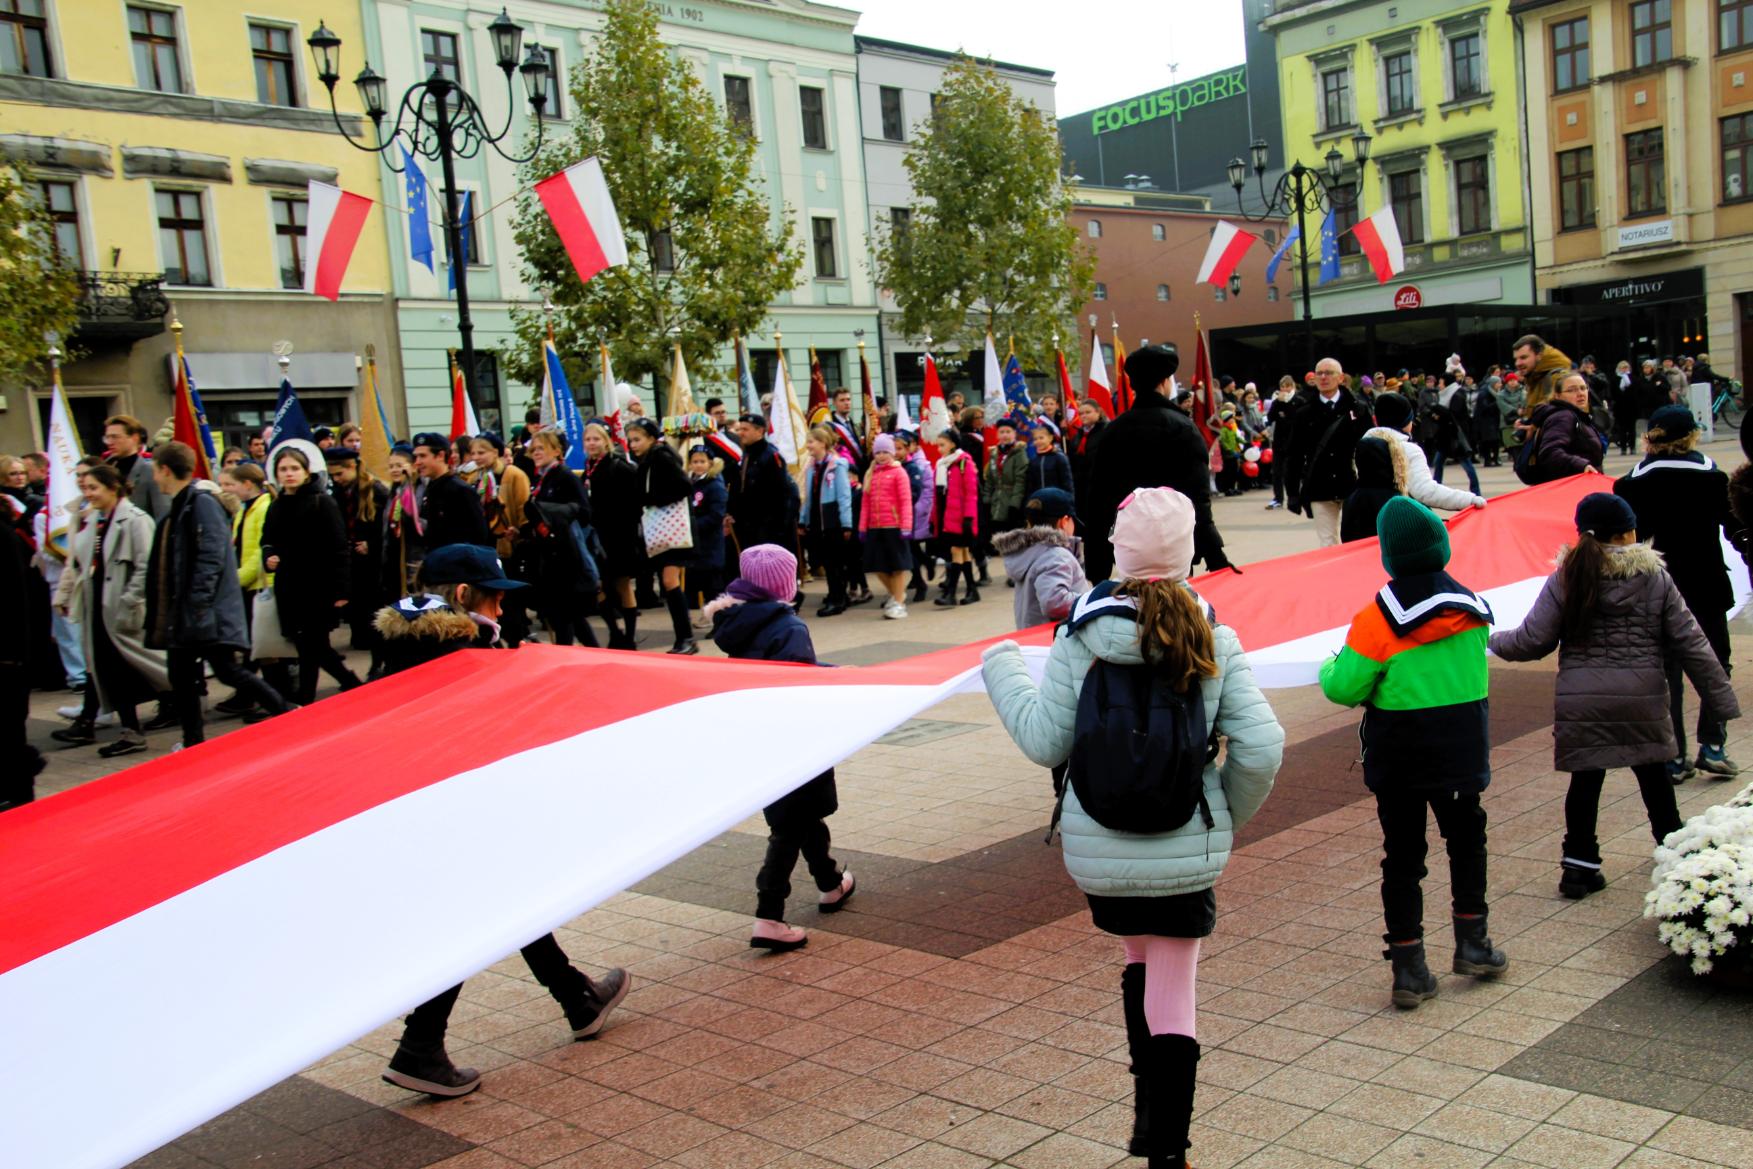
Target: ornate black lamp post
x,y
438,119
1304,191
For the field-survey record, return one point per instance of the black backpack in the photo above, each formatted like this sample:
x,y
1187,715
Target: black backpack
x,y
1139,751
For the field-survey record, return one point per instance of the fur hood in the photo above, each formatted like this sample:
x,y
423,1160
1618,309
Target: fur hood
x,y
1624,561
424,616
1014,541
1396,441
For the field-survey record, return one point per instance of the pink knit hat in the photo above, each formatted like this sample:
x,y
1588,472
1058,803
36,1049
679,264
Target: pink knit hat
x,y
884,444
1153,535
771,569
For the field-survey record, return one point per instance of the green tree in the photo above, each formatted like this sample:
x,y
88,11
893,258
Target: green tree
x,y
39,291
705,259
988,245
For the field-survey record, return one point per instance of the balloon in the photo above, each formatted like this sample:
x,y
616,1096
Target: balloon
x,y
1251,470
1252,454
1266,456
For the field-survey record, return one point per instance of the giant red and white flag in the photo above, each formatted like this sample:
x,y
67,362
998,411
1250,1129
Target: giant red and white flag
x,y
129,924
1379,237
583,214
333,220
1228,243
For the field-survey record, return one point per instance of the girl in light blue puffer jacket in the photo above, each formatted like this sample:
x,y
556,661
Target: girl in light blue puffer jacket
x,y
1154,891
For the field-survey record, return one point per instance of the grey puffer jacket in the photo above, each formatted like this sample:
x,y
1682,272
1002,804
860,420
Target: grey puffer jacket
x,y
1612,695
1107,863
1043,562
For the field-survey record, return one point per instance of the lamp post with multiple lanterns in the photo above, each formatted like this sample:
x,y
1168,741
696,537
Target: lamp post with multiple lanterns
x,y
438,119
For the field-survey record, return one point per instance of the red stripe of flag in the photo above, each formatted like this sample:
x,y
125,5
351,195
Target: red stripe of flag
x,y
335,244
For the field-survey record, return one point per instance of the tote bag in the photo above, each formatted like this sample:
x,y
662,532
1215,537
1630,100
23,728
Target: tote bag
x,y
267,641
667,528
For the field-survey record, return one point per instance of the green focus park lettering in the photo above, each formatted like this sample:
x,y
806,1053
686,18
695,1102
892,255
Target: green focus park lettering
x,y
1172,102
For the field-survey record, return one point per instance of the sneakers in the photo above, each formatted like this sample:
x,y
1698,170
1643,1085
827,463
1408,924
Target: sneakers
x,y
835,899
430,1071
105,718
130,742
1275,505
895,612
1679,771
606,993
1578,881
1715,761
776,936
82,731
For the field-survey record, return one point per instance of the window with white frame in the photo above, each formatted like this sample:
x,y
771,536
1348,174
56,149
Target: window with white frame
x,y
1335,85
24,38
1399,84
812,101
1466,65
1095,229
158,62
554,84
826,251
182,237
739,104
1472,194
1158,232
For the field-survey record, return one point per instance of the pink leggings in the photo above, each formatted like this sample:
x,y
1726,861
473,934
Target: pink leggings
x,y
1171,967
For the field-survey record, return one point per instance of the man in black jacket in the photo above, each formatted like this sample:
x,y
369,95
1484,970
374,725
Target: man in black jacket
x,y
194,604
1316,440
1151,445
761,507
450,510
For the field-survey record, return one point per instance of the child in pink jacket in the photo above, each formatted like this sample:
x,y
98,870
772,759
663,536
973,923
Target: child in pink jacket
x,y
886,522
958,515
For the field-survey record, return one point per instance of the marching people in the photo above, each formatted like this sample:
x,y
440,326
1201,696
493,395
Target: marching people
x,y
708,504
124,440
458,607
1005,477
104,591
23,761
450,510
304,544
1049,467
754,620
404,539
957,516
1414,658
829,529
1316,440
362,499
760,492
504,488
1681,501
885,522
1147,867
194,602
1615,617
1561,439
1081,450
246,483
1542,367
920,481
565,593
614,508
663,483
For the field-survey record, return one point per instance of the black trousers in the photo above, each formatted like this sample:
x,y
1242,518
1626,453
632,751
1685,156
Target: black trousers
x,y
788,837
184,666
547,961
23,761
571,624
829,550
1461,820
316,655
1278,479
1711,731
1583,802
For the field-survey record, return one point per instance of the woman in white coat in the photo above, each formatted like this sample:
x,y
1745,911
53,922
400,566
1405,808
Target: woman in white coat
x,y
1152,889
103,589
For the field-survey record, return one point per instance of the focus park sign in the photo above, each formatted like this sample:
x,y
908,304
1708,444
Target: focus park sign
x,y
1172,102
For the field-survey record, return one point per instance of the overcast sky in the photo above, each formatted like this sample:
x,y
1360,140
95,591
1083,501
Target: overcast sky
x,y
1113,50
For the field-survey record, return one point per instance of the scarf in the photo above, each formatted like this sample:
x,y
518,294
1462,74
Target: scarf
x,y
743,590
406,505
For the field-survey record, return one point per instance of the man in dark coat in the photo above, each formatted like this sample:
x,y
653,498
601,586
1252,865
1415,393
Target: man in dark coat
x,y
761,492
194,604
1316,440
1682,503
1080,448
1151,445
450,511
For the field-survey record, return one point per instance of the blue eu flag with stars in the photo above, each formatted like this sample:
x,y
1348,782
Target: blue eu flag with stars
x,y
1329,248
419,222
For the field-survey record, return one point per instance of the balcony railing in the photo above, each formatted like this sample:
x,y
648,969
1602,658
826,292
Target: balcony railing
x,y
122,306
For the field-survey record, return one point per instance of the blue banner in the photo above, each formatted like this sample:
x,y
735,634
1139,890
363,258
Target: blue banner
x,y
201,418
1016,390
419,219
566,414
1290,237
288,420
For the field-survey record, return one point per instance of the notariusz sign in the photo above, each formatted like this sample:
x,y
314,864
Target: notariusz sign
x,y
1173,102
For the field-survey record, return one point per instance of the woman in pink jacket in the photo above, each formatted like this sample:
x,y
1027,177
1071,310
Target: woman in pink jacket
x,y
886,523
958,515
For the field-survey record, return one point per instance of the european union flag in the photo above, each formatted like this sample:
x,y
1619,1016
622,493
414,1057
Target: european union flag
x,y
1290,237
462,261
1329,248
1016,390
419,220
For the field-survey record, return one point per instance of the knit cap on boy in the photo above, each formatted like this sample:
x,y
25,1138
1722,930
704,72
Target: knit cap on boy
x,y
1153,535
1413,540
771,569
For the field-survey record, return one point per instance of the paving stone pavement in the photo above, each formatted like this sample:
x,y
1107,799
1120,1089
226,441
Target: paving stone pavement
x,y
962,1012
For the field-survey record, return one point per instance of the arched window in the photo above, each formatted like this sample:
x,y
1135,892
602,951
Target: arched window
x,y
1095,229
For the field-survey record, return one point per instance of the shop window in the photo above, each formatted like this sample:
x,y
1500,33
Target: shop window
x,y
1576,188
1645,174
1570,54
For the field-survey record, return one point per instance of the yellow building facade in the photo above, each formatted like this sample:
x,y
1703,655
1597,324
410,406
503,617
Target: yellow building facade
x,y
1434,85
173,144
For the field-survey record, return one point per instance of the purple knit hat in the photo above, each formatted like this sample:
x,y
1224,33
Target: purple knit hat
x,y
771,569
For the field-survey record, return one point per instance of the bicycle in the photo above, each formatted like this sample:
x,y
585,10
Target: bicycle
x,y
1729,407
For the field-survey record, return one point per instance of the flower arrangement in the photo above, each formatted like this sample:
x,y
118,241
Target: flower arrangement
x,y
1702,887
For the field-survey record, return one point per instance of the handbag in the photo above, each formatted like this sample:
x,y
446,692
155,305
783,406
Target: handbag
x,y
666,528
267,640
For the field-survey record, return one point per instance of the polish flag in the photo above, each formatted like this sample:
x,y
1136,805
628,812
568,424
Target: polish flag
x,y
1096,385
583,214
1379,237
334,219
934,412
462,411
1228,242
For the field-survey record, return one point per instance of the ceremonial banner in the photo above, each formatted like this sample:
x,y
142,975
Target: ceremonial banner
x,y
289,421
187,426
785,424
681,388
557,396
374,447
462,411
1096,384
993,375
61,497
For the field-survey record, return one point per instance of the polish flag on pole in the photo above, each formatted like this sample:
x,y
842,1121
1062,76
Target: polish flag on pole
x,y
334,219
1096,385
934,412
462,411
583,214
1228,242
1379,237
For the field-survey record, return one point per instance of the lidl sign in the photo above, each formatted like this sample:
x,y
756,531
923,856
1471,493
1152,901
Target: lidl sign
x,y
1174,101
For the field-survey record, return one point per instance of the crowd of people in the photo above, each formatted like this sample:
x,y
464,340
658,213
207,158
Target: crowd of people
x,y
1160,744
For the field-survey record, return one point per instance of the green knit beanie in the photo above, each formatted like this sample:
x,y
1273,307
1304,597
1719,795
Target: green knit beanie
x,y
1413,540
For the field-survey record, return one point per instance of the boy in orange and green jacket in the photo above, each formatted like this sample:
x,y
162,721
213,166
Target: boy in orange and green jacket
x,y
1415,659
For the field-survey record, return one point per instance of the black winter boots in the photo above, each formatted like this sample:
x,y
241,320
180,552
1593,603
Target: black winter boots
x,y
1170,1073
1137,1048
1413,981
1475,956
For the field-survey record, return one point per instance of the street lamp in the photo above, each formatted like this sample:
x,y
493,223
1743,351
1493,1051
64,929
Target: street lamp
x,y
438,119
1304,190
